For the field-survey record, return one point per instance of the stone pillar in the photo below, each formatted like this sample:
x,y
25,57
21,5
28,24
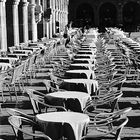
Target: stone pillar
x,y
47,30
15,22
53,17
44,23
3,35
25,21
33,24
51,22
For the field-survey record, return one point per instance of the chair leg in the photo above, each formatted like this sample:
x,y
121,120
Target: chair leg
x,y
3,99
137,78
134,75
118,133
0,108
14,86
9,91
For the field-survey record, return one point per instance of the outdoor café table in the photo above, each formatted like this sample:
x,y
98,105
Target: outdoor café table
x,y
85,55
91,45
87,65
5,66
23,51
69,96
10,59
88,73
87,82
77,121
19,55
89,60
92,51
31,48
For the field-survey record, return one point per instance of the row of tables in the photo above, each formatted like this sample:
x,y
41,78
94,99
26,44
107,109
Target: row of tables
x,y
16,55
73,122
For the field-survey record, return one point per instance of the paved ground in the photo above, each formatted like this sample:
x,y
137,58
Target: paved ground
x,y
130,98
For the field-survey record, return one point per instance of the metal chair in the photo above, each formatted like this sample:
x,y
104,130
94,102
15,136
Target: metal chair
x,y
21,126
100,103
16,112
107,125
38,102
15,79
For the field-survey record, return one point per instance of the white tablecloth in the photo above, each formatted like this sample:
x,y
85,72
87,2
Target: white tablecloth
x,y
87,65
78,121
5,66
88,73
87,82
81,96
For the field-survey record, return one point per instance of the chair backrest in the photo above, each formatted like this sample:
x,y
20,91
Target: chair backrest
x,y
116,114
15,112
48,86
108,127
17,73
26,64
38,102
118,81
2,79
110,98
34,98
54,81
17,124
109,119
31,62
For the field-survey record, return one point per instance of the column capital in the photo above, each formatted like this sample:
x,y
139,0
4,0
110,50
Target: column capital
x,y
32,5
2,0
24,3
15,2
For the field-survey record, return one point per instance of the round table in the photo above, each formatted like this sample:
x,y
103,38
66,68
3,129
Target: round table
x,y
87,82
88,73
87,65
81,96
5,66
89,60
77,121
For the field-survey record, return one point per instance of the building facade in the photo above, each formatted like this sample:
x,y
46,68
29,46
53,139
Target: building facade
x,y
98,13
24,20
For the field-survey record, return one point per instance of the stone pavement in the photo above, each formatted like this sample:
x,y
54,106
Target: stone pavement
x,y
130,98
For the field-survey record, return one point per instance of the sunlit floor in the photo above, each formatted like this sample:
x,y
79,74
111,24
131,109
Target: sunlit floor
x,y
131,97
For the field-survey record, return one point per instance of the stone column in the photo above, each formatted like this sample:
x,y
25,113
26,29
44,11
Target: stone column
x,y
33,24
3,35
51,22
53,17
25,21
15,22
44,22
47,30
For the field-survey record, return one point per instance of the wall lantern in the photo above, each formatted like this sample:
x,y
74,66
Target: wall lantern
x,y
38,13
47,13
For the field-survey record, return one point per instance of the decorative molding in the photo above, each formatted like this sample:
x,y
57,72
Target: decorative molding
x,y
47,14
38,13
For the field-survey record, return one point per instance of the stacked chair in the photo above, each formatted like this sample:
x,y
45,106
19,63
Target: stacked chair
x,y
103,108
106,118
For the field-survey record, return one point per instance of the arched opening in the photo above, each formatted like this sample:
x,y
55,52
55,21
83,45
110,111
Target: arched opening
x,y
84,15
107,15
131,18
